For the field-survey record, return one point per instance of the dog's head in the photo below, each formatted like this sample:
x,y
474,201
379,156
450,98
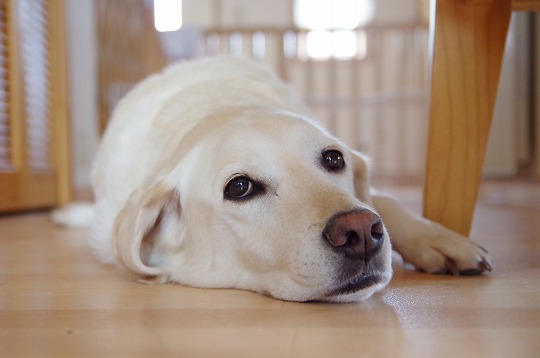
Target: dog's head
x,y
263,201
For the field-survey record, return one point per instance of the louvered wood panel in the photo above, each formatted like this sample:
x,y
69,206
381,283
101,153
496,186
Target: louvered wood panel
x,y
35,64
34,170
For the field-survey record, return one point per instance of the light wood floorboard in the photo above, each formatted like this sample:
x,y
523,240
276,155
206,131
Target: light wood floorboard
x,y
56,300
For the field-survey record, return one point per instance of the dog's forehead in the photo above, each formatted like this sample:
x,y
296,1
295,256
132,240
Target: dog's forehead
x,y
245,141
273,132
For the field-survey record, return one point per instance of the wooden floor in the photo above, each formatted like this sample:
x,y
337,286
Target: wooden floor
x,y
56,300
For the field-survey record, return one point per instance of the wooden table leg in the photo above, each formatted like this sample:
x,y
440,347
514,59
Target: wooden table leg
x,y
467,45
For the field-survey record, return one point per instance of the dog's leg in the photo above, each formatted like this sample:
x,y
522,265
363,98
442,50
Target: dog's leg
x,y
427,245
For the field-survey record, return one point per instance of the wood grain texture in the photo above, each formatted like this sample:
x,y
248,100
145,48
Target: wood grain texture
x,y
526,5
129,50
467,50
56,300
60,108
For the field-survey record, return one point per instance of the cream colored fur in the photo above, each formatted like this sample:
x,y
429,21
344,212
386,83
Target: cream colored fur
x,y
172,145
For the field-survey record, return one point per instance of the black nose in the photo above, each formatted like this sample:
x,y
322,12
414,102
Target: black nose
x,y
358,233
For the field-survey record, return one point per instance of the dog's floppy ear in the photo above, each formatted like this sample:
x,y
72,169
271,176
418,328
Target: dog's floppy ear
x,y
361,176
144,211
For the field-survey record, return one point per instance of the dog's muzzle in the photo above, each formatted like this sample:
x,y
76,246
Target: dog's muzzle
x,y
358,236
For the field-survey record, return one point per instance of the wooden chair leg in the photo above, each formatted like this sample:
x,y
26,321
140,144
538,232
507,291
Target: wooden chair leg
x,y
467,45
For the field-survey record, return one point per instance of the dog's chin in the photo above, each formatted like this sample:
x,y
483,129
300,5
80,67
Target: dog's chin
x,y
357,289
356,284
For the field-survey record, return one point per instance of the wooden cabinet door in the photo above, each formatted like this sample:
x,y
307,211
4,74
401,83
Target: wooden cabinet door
x,y
34,145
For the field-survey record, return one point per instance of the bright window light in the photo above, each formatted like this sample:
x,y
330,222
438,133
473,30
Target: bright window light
x,y
333,27
321,45
345,44
332,14
167,15
318,43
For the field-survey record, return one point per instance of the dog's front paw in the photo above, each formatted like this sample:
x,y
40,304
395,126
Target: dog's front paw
x,y
446,253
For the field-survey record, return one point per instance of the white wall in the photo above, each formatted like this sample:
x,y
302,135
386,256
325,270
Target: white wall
x,y
508,143
397,11
198,12
256,13
83,88
278,13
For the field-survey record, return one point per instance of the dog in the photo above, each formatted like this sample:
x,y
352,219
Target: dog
x,y
213,174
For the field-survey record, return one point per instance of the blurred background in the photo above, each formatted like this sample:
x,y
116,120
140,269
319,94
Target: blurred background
x,y
362,65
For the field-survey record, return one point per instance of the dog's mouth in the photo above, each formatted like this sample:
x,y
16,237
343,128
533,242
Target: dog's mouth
x,y
356,284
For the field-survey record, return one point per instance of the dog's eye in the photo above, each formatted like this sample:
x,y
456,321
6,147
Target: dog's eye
x,y
333,160
239,187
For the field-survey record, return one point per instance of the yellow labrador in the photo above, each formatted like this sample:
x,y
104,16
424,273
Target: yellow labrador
x,y
211,174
